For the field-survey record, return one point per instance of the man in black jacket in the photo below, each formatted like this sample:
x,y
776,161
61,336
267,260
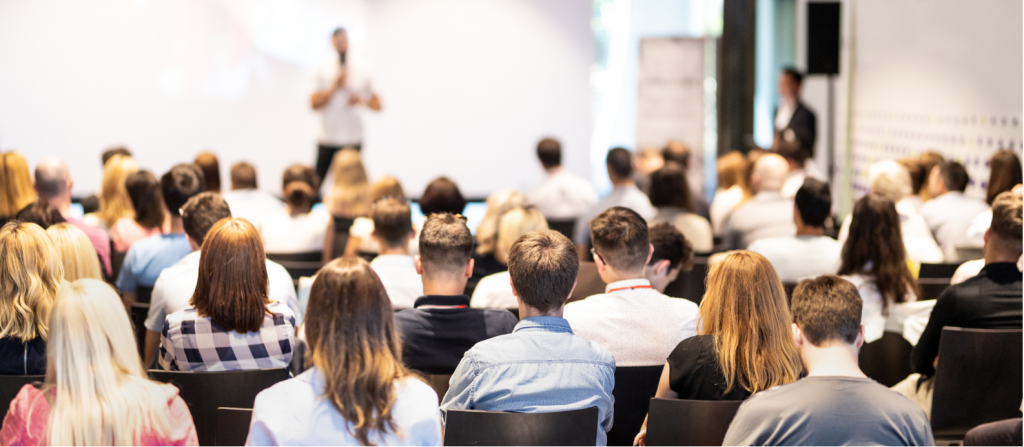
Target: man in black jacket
x,y
793,114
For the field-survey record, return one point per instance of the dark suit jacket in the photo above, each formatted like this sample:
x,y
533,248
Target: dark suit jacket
x,y
804,124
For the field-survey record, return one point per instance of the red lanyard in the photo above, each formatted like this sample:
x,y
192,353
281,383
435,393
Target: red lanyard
x,y
629,288
428,306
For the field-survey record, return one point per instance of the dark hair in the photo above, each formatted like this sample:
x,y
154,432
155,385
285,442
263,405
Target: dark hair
x,y
549,151
445,243
794,74
543,266
918,174
814,202
392,221
299,196
1004,173
110,153
1006,218
620,237
670,245
678,152
338,30
201,212
207,162
669,187
790,147
243,176
620,163
40,213
147,201
876,239
953,175
301,173
232,286
827,308
442,196
179,184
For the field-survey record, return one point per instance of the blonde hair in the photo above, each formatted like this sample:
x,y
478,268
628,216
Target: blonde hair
x,y
387,186
513,224
890,179
77,254
16,181
31,275
487,232
102,393
745,309
350,195
732,168
114,200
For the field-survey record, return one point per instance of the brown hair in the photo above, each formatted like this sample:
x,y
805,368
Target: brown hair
x,y
876,239
110,153
549,151
350,194
1006,218
300,173
442,196
352,341
147,200
200,213
1004,173
392,221
731,169
243,176
670,188
543,266
827,308
40,213
620,237
670,244
387,186
207,162
745,309
16,184
928,161
676,151
445,244
918,176
232,287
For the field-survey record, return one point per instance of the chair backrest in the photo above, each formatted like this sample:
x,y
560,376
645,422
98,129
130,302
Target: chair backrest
x,y
9,387
342,225
232,425
468,427
634,388
143,294
937,270
977,380
311,256
691,284
886,360
204,392
588,282
564,226
689,422
931,288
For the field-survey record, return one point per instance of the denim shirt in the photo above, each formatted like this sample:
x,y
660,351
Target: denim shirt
x,y
541,367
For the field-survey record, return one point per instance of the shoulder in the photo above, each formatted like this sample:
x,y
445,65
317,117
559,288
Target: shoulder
x,y
280,314
692,347
274,268
29,400
768,244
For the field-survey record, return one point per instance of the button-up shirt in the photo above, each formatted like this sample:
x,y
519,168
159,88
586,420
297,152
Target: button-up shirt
x,y
541,367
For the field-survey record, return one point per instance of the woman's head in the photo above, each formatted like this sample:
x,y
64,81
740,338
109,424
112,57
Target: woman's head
x,y
497,204
232,287
207,162
31,274
732,168
387,186
15,184
745,309
1005,172
669,188
352,341
114,200
78,256
890,179
350,195
513,224
875,247
927,161
300,184
147,200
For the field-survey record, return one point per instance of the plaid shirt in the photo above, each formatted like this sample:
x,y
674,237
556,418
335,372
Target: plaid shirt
x,y
193,343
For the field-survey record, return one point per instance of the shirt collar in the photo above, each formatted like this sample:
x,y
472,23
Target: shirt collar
x,y
1002,270
442,300
627,284
550,324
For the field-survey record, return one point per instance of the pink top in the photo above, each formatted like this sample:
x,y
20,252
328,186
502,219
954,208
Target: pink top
x,y
29,414
99,240
126,232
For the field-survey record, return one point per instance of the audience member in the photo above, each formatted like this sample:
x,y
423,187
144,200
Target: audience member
x,y
144,192
230,297
928,161
767,214
637,324
562,194
40,213
949,212
672,254
247,201
114,200
1004,174
392,230
971,269
485,258
788,146
357,392
442,196
541,366
836,404
91,203
670,195
648,160
809,253
207,163
348,199
298,228
28,257
441,327
732,188
624,193
96,390
360,237
54,184
17,192
918,179
677,152
77,256
495,291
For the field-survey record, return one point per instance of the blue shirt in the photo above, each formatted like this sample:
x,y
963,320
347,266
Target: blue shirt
x,y
148,257
541,367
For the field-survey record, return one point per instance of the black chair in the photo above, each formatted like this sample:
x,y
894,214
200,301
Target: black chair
x,y
139,312
634,388
11,385
116,261
515,311
978,379
689,422
588,282
342,225
886,360
789,287
691,284
564,226
468,427
233,425
204,392
937,270
299,264
298,364
931,288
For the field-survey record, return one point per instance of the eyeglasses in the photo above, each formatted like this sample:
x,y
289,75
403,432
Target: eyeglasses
x,y
597,256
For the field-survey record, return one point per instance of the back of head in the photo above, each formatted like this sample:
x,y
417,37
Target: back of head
x,y
40,213
790,147
243,176
232,287
114,151
929,160
917,172
827,309
353,343
794,75
78,256
1006,223
731,169
1004,173
814,202
201,212
392,221
387,186
31,271
114,200
16,190
207,163
300,173
179,184
445,245
498,203
875,247
299,196
543,266
769,173
670,245
147,200
549,151
350,194
513,224
745,309
620,164
890,179
954,176
442,196
52,178
620,237
669,187
678,152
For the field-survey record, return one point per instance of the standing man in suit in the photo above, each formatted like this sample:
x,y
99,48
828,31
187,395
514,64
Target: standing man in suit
x,y
793,114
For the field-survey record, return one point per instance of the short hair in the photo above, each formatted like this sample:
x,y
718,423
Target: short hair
x,y
1006,218
442,196
790,147
827,308
243,176
387,186
670,245
669,187
794,74
392,221
620,163
179,184
208,163
890,179
51,178
300,173
620,237
147,201
953,175
445,243
678,152
110,153
201,212
543,266
549,151
40,213
232,286
814,202
338,30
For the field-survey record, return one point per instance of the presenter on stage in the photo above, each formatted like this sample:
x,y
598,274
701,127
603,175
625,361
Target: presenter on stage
x,y
793,114
342,88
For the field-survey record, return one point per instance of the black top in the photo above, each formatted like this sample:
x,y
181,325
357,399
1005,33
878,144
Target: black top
x,y
16,360
434,339
804,125
483,265
695,374
991,300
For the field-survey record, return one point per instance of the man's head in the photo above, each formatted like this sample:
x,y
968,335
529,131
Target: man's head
x,y
672,254
53,182
769,173
243,176
339,38
826,313
1003,238
110,153
947,176
789,83
446,248
620,165
40,213
200,213
543,266
392,223
622,243
442,196
813,203
549,151
178,185
677,152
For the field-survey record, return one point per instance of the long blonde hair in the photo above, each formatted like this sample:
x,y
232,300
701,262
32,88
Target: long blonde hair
x,y
514,223
114,200
350,194
77,254
30,277
102,393
498,203
16,190
745,309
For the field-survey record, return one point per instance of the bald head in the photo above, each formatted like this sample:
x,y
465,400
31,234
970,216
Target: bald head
x,y
53,182
769,173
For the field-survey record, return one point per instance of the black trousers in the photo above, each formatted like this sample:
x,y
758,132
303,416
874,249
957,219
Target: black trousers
x,y
325,155
1005,432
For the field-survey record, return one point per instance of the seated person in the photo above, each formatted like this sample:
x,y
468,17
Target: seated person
x,y
441,327
494,291
148,219
77,256
562,194
809,253
485,255
638,324
672,254
624,193
767,214
299,228
670,194
541,366
360,238
40,213
836,404
246,199
54,184
231,324
732,188
949,213
392,229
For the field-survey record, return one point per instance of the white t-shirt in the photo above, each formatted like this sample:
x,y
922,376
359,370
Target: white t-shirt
x,y
304,233
494,292
398,274
695,228
628,196
253,204
563,195
724,202
342,123
798,257
362,228
874,321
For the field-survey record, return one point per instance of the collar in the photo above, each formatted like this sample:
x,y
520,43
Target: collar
x,y
442,300
1002,270
627,284
550,324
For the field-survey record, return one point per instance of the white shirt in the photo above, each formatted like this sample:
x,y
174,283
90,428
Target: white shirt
x,y
253,204
303,233
494,292
695,228
767,214
628,196
799,257
794,180
176,284
362,228
980,224
563,195
917,238
295,412
398,274
639,325
875,323
342,123
724,202
784,114
949,216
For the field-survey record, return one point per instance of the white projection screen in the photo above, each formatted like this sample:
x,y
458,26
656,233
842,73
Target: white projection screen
x,y
468,87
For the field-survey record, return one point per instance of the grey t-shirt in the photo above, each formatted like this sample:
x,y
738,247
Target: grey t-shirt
x,y
829,410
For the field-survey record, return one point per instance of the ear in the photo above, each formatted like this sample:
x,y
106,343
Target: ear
x,y
468,272
798,336
987,236
860,337
796,216
600,264
660,267
373,235
419,264
573,289
650,252
515,292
